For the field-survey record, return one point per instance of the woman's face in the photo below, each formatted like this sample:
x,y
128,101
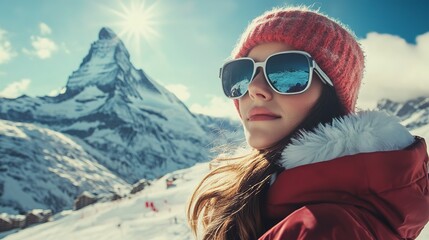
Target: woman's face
x,y
267,116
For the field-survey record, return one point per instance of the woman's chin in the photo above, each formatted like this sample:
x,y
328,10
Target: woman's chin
x,y
260,143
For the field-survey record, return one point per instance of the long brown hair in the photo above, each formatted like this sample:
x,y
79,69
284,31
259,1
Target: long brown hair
x,y
227,202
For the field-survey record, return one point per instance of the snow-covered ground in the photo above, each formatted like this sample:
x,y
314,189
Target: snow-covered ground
x,y
129,218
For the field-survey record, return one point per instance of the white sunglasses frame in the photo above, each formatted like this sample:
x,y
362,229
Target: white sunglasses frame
x,y
314,67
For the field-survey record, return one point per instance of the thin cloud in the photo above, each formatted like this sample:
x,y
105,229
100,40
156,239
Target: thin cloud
x,y
43,47
395,69
56,92
44,29
217,107
6,51
181,91
15,89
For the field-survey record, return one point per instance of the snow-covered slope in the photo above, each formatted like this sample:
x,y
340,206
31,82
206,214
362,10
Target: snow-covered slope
x,y
41,168
128,218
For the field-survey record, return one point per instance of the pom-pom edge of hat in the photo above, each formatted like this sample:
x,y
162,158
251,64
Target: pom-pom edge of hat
x,y
332,44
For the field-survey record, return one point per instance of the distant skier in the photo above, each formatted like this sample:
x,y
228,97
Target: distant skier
x,y
151,205
318,169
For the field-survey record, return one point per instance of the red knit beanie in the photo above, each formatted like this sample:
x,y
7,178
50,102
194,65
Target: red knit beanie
x,y
331,44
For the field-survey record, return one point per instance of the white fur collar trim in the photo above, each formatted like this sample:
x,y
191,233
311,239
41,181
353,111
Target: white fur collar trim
x,y
368,131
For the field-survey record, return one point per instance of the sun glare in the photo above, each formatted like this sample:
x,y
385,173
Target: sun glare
x,y
137,22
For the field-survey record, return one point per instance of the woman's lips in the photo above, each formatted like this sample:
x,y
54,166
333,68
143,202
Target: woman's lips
x,y
262,117
261,114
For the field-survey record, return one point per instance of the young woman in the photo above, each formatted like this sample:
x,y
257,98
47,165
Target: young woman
x,y
318,169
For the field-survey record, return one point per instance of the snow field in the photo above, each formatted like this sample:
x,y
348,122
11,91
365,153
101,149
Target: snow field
x,y
128,218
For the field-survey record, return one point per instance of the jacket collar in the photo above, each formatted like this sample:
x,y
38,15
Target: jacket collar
x,y
362,132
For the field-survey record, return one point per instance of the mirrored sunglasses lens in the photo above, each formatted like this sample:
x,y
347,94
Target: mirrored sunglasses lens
x,y
289,72
236,77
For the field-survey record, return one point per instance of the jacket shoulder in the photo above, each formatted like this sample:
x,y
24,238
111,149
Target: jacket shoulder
x,y
329,221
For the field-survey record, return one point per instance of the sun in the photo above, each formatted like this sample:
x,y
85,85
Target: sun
x,y
137,21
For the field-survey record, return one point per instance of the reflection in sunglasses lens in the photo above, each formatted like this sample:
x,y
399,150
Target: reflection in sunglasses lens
x,y
288,73
236,77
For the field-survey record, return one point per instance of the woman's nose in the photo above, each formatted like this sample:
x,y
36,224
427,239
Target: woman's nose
x,y
259,88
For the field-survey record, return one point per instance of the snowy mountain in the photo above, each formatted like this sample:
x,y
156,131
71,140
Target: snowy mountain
x,y
124,127
414,113
142,129
41,168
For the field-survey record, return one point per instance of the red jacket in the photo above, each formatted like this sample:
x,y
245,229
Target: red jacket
x,y
368,195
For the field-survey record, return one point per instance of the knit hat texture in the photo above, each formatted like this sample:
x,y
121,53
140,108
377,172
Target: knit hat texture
x,y
330,43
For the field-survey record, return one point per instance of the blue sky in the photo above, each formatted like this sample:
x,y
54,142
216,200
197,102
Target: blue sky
x,y
186,41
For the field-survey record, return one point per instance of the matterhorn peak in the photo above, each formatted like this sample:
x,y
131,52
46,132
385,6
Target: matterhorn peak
x,y
106,33
107,58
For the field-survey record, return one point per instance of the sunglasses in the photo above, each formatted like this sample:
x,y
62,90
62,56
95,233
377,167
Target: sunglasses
x,y
287,73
